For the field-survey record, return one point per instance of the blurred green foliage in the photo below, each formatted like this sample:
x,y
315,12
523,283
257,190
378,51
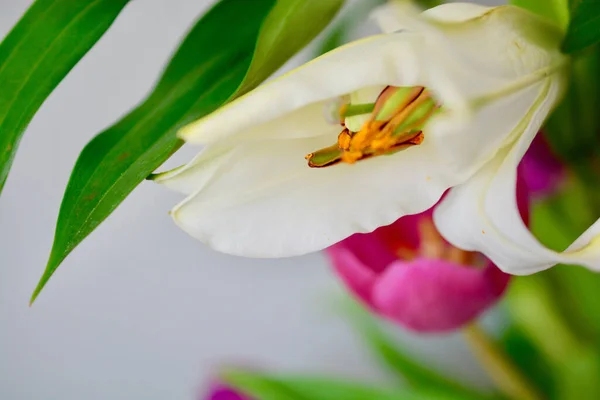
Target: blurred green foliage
x,y
584,25
296,387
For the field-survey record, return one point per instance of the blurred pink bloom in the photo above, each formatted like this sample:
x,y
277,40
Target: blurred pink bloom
x,y
409,274
541,169
222,392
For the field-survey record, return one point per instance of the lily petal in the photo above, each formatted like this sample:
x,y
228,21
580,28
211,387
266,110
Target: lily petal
x,y
398,15
251,206
251,192
357,275
504,41
288,102
482,214
447,58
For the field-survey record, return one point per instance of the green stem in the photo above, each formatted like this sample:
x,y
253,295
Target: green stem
x,y
500,368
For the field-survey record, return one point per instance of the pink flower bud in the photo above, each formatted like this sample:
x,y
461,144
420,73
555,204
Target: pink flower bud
x,y
409,274
220,391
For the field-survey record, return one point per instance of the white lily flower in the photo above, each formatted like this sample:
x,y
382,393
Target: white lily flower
x,y
448,98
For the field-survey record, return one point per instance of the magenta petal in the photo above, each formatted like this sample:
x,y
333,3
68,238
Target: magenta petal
x,y
541,170
222,392
354,273
377,250
523,196
427,295
369,250
404,231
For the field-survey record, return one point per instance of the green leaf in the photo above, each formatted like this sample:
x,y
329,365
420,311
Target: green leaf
x,y
335,38
37,54
584,28
291,25
403,366
556,11
573,127
572,351
226,54
575,363
527,358
347,24
266,387
557,222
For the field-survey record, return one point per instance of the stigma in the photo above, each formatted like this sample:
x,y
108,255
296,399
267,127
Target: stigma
x,y
395,122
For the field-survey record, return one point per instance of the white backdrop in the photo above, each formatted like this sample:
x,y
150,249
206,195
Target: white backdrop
x,y
140,310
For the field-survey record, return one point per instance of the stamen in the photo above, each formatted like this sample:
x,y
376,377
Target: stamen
x,y
396,123
324,157
393,100
344,139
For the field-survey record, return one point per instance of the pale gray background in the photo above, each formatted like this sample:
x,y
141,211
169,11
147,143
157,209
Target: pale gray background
x,y
140,310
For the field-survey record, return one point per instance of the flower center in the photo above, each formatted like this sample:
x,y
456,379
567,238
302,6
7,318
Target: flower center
x,y
395,123
433,246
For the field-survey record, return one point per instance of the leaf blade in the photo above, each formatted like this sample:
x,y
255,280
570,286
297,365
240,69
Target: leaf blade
x,y
275,36
394,358
280,387
584,27
122,156
37,54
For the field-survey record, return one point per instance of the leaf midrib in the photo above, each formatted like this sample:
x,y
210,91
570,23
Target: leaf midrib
x,y
19,44
42,58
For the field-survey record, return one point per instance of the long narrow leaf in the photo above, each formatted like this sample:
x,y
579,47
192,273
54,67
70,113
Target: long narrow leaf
x,y
37,54
584,28
267,387
394,358
226,54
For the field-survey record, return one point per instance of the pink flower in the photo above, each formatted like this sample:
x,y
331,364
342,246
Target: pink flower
x,y
223,392
409,274
540,168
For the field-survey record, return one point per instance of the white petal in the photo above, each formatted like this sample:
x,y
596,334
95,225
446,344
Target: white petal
x,y
244,196
251,192
268,203
306,122
192,176
455,61
378,60
467,147
504,42
236,190
482,214
403,14
456,12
